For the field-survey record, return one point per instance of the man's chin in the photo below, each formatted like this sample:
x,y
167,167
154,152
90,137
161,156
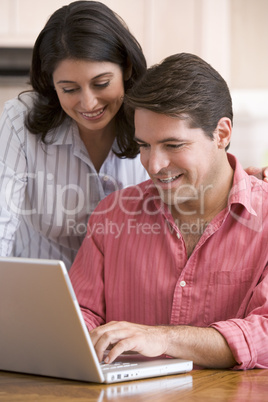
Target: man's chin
x,y
171,200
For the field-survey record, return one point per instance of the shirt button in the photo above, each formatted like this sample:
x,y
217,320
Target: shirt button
x,y
182,283
105,178
178,235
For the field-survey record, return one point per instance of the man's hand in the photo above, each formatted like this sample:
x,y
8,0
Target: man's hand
x,y
123,336
204,346
260,173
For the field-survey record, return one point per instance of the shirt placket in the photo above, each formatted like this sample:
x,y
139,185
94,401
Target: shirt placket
x,y
181,312
183,289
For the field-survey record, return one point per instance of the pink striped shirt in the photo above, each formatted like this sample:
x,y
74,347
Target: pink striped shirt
x,y
133,266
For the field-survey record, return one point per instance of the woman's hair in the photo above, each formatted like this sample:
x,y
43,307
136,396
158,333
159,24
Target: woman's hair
x,y
184,86
84,30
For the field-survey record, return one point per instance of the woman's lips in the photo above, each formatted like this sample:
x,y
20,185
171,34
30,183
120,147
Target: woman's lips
x,y
97,114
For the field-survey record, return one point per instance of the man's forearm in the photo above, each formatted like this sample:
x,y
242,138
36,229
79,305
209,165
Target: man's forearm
x,y
205,346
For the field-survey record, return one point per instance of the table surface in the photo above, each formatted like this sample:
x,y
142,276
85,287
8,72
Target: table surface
x,y
198,385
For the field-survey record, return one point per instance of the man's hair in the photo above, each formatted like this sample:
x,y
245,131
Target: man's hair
x,y
185,86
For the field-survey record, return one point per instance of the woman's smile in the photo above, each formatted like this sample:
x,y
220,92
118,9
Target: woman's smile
x,y
95,115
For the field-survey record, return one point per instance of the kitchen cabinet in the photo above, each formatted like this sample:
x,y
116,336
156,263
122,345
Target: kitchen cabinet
x,y
22,20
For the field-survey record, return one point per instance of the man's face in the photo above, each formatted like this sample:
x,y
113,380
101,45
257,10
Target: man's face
x,y
182,162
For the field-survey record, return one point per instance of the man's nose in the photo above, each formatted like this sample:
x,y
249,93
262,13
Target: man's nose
x,y
157,160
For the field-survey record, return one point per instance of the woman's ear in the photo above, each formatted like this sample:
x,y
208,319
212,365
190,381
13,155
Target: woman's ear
x,y
223,132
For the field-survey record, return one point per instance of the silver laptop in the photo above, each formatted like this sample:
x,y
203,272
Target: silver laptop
x,y
42,330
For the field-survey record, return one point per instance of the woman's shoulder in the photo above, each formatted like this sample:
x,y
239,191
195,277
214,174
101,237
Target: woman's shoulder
x,y
15,111
14,115
19,105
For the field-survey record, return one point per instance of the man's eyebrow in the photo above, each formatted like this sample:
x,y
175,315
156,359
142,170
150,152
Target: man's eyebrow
x,y
138,140
170,139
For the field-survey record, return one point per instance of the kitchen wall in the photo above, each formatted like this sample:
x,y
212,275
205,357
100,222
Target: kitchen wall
x,y
229,34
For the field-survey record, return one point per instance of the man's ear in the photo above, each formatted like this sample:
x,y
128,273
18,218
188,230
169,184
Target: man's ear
x,y
223,132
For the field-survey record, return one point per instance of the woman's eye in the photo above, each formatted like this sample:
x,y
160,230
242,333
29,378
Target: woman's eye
x,y
68,91
102,84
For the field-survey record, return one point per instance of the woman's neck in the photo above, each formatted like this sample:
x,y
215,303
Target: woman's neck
x,y
98,144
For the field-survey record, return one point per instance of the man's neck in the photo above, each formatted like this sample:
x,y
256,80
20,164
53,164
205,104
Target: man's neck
x,y
192,217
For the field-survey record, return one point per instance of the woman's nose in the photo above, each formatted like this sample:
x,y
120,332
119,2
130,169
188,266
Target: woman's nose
x,y
88,100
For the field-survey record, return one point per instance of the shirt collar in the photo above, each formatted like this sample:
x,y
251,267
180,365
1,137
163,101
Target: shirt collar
x,y
67,134
240,192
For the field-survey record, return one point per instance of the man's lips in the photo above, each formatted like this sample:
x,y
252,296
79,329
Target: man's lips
x,y
169,179
167,182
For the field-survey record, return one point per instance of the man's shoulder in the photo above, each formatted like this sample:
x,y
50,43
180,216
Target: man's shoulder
x,y
255,200
247,189
259,194
258,187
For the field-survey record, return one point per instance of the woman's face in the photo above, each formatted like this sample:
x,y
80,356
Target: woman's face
x,y
90,92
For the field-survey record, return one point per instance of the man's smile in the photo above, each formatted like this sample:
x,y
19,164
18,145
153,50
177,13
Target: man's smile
x,y
169,179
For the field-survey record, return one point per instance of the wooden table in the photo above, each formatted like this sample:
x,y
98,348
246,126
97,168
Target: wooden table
x,y
198,385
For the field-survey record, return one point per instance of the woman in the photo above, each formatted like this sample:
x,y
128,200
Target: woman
x,y
63,143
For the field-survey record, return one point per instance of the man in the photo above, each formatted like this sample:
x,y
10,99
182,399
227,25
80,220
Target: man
x,y
177,265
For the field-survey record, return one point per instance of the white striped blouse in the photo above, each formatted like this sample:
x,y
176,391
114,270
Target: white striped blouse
x,y
49,191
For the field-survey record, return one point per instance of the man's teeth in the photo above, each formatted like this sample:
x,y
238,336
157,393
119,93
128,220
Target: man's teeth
x,y
170,179
94,114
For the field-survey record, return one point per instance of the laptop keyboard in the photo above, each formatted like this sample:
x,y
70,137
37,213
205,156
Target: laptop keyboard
x,y
117,365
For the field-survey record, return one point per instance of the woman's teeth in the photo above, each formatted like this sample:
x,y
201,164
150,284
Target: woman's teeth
x,y
93,114
170,179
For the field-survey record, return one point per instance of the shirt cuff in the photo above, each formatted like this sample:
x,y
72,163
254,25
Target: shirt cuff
x,y
239,341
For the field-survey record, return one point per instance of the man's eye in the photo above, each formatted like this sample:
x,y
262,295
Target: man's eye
x,y
174,146
142,145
